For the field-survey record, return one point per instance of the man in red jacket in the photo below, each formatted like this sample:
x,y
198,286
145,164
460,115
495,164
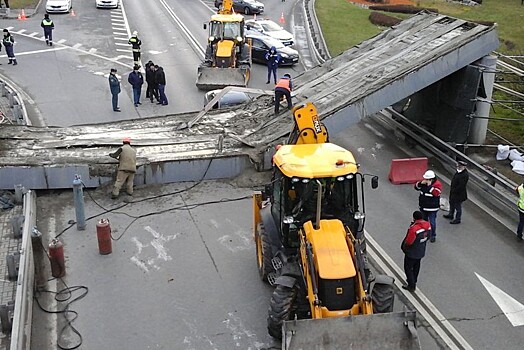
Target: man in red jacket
x,y
414,248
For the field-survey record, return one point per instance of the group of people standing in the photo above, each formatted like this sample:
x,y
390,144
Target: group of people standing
x,y
424,224
155,79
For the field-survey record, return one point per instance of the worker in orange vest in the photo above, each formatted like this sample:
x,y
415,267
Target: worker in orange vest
x,y
283,88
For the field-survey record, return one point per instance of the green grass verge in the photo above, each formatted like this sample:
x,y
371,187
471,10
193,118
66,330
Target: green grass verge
x,y
345,24
23,4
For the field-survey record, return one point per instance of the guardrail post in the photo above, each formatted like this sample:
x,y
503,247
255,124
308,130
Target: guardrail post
x,y
78,195
11,97
3,90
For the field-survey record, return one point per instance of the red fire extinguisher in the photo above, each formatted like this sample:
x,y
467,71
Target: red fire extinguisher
x,y
103,233
56,257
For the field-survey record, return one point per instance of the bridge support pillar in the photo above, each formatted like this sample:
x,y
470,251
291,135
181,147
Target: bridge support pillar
x,y
479,125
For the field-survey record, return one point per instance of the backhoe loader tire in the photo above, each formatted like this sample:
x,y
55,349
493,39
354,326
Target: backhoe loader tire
x,y
263,246
383,298
281,308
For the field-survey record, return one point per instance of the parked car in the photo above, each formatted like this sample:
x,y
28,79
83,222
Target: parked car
x,y
270,28
58,6
244,6
231,98
106,4
260,45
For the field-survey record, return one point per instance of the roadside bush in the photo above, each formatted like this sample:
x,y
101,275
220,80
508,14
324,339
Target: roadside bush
x,y
383,20
401,9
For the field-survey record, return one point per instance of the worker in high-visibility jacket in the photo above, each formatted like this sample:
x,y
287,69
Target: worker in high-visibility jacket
x,y
520,205
283,88
48,26
135,42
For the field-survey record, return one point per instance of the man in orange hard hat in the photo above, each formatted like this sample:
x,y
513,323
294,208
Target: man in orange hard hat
x,y
126,156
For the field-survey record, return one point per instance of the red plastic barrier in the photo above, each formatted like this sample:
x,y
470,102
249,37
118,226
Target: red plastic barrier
x,y
407,171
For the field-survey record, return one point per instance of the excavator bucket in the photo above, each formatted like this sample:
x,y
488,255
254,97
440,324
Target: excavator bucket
x,y
379,331
211,78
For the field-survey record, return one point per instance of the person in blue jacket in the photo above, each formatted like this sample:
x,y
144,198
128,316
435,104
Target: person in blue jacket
x,y
273,59
136,80
114,86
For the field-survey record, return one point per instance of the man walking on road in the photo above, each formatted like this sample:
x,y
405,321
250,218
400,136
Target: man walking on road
x,y
429,200
272,58
458,193
135,43
48,26
414,248
160,79
520,205
114,86
8,41
136,80
126,156
283,88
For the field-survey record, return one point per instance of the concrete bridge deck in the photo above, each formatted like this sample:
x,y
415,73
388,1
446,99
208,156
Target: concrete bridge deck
x,y
363,80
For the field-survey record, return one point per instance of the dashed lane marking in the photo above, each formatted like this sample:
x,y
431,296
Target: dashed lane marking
x,y
120,50
33,34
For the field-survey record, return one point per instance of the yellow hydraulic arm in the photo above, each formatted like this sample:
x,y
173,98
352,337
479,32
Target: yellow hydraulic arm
x,y
226,8
308,128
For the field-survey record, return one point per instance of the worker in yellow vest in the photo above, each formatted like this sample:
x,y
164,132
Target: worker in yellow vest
x,y
520,205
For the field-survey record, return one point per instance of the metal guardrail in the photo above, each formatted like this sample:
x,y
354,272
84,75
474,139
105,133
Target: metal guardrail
x,y
16,103
23,311
317,42
498,191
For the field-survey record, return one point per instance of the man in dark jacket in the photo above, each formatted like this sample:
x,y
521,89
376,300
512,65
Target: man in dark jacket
x,y
136,80
429,200
48,26
458,193
283,88
114,86
152,86
126,156
160,79
273,59
414,248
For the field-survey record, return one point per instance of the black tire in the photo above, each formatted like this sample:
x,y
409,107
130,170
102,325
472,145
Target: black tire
x,y
281,308
247,11
263,253
383,298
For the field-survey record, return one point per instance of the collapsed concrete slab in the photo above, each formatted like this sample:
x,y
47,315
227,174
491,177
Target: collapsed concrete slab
x,y
363,80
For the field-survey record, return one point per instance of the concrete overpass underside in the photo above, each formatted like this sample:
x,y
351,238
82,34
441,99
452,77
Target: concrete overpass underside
x,y
219,144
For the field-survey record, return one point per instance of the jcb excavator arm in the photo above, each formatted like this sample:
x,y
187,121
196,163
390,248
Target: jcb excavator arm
x,y
226,8
307,128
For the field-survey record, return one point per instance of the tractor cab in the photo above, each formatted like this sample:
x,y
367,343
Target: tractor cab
x,y
314,182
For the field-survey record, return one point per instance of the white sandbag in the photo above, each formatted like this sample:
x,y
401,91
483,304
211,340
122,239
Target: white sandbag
x,y
515,155
518,166
502,152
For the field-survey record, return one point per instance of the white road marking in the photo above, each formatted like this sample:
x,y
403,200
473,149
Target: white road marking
x,y
92,50
37,51
424,306
33,34
158,244
120,38
120,50
77,45
513,310
153,52
61,41
122,44
21,31
117,20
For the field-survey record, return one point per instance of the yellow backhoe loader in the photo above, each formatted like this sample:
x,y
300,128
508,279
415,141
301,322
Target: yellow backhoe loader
x,y
227,59
310,245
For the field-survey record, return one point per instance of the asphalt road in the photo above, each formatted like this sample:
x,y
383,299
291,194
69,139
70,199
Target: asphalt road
x,y
204,293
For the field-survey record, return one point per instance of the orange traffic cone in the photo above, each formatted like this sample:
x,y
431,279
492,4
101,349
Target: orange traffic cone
x,y
282,20
22,16
73,14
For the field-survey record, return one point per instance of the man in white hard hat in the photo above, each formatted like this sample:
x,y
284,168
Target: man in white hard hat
x,y
135,43
429,200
